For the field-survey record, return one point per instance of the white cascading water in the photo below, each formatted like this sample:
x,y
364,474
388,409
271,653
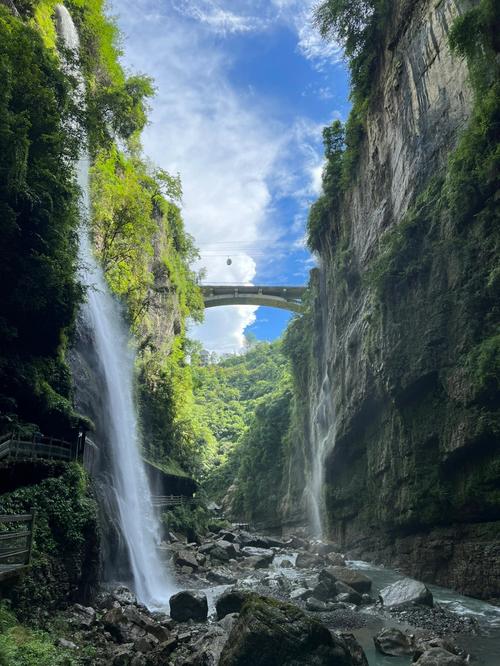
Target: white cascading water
x,y
137,520
323,440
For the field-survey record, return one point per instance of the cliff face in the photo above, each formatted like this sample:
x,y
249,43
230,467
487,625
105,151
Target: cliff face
x,y
413,463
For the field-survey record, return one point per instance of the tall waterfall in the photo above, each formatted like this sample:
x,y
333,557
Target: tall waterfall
x,y
103,315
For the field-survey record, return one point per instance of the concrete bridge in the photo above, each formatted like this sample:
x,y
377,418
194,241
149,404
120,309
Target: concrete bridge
x,y
282,297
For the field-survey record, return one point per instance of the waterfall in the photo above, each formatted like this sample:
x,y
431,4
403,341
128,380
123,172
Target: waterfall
x,y
323,440
113,348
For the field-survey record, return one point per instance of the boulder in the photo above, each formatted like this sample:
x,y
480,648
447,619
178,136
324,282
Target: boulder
x,y
286,564
284,634
438,656
188,605
206,547
264,556
221,577
325,590
316,605
124,596
231,601
253,540
120,627
186,558
393,642
355,579
405,592
82,617
147,623
354,648
308,561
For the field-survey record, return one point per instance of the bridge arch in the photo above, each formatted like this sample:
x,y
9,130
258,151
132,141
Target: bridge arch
x,y
282,297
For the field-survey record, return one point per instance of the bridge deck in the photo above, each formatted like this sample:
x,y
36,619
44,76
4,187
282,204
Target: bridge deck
x,y
279,296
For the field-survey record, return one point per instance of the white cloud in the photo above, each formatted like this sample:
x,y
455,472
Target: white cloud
x,y
225,152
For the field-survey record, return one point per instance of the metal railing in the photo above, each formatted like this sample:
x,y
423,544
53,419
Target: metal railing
x,y
16,544
168,501
15,446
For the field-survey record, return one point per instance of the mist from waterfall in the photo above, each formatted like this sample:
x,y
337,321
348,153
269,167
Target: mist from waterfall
x,y
113,345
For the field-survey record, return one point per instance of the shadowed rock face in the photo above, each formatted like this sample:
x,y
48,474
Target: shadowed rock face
x,y
270,633
415,459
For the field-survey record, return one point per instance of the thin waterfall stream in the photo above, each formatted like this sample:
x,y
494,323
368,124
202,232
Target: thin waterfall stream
x,y
102,313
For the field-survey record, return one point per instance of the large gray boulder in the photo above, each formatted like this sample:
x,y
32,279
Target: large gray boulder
x,y
272,633
265,555
355,579
186,558
188,605
405,592
308,561
393,642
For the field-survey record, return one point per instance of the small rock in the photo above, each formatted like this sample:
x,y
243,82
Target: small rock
x,y
188,605
300,593
404,592
336,559
393,642
439,657
67,645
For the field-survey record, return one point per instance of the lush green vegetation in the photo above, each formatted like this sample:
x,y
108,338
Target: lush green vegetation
x,y
38,218
245,401
65,559
359,27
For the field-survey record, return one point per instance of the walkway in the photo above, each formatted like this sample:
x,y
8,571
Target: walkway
x,y
282,297
16,543
14,446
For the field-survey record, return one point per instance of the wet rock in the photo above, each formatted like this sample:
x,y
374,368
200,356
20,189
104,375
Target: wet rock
x,y
186,558
123,655
207,649
284,634
227,536
81,616
342,589
188,605
424,644
286,564
325,590
323,548
355,579
295,542
354,648
206,547
124,596
300,593
406,592
336,559
308,561
145,644
266,553
349,598
147,623
223,551
227,622
439,657
393,642
120,627
230,601
316,605
221,577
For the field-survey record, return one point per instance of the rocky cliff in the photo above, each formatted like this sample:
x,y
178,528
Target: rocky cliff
x,y
405,338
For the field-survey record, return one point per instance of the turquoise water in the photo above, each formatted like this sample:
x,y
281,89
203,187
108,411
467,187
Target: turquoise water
x,y
484,648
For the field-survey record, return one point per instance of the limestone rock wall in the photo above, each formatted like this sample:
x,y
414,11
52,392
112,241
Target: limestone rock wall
x,y
415,456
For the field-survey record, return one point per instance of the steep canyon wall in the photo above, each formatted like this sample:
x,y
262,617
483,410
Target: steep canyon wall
x,y
404,326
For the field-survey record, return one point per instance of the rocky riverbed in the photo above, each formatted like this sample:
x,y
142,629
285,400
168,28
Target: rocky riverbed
x,y
244,598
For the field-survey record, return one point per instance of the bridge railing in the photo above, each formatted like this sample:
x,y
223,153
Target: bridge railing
x,y
170,501
15,446
16,542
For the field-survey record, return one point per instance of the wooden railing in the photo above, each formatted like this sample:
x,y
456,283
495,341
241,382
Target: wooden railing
x,y
168,501
16,446
16,544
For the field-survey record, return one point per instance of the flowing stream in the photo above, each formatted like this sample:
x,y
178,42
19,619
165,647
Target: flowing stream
x,y
103,314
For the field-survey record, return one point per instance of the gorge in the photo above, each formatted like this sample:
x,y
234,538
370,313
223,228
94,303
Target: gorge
x,y
270,504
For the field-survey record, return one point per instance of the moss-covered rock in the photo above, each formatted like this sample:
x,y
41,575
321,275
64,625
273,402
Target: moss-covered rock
x,y
272,633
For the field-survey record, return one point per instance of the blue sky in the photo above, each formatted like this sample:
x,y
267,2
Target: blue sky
x,y
244,88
